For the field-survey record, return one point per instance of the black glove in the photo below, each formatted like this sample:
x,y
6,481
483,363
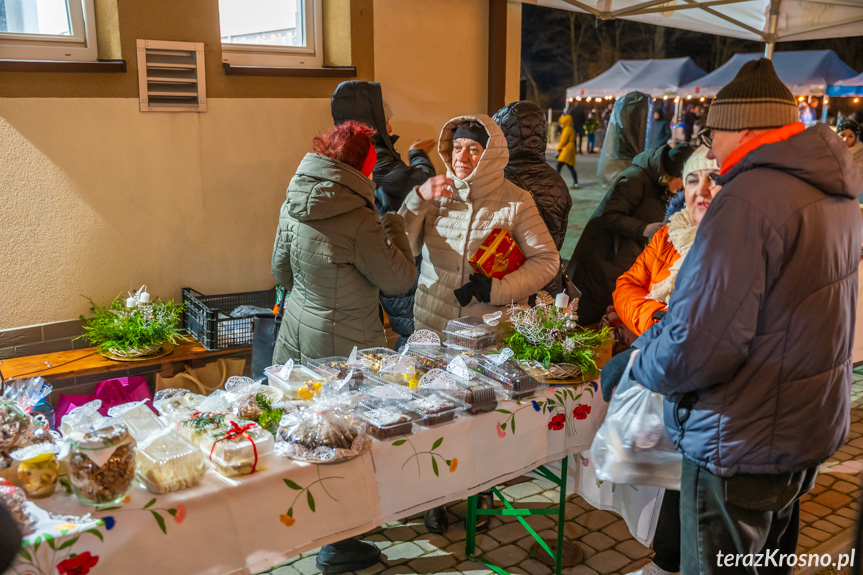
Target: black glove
x,y
612,371
478,287
659,314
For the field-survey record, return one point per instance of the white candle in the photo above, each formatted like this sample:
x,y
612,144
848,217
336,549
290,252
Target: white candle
x,y
143,297
561,301
131,302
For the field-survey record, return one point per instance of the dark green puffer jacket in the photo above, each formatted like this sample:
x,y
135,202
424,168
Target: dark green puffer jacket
x,y
333,254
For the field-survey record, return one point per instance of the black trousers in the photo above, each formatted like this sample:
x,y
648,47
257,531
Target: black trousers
x,y
572,171
666,541
741,515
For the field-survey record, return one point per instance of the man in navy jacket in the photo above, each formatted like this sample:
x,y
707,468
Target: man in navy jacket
x,y
754,354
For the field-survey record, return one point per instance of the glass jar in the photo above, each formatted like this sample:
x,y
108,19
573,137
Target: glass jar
x,y
38,469
102,463
14,423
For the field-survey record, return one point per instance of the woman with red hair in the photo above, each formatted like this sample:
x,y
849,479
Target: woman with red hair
x,y
333,254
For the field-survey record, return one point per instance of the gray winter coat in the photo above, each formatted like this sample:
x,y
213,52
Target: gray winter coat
x,y
333,253
754,354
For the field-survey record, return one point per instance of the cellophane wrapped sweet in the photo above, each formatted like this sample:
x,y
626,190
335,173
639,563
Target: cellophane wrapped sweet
x,y
298,382
472,333
326,431
167,462
15,500
175,405
479,393
139,418
237,448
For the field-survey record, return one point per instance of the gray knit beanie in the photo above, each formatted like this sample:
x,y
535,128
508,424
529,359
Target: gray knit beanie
x,y
755,99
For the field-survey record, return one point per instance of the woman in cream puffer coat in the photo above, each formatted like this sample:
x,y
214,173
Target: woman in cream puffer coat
x,y
448,231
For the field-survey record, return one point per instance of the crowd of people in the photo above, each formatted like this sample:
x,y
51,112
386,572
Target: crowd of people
x,y
729,264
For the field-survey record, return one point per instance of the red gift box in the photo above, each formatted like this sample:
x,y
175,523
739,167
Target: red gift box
x,y
498,255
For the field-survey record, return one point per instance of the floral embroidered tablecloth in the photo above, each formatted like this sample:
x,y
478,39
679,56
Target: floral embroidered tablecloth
x,y
247,524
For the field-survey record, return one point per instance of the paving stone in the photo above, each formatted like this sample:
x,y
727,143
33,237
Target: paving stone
x,y
432,563
526,542
522,490
807,517
581,569
432,542
472,568
827,526
825,480
843,522
373,570
572,531
534,567
306,566
585,548
457,551
486,543
284,570
508,532
814,509
401,533
815,534
805,544
397,570
573,511
597,519
607,561
507,555
401,552
617,531
816,490
459,509
633,549
833,499
855,443
844,487
598,541
847,513
379,540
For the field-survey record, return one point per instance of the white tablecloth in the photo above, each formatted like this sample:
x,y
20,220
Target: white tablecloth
x,y
248,524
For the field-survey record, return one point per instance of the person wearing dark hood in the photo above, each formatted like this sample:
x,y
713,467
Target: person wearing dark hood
x,y
754,354
363,102
622,225
524,126
660,130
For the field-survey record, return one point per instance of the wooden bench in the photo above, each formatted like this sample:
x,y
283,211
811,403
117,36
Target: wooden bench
x,y
88,361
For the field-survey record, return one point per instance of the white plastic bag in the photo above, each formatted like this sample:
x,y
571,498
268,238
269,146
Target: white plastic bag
x,y
631,446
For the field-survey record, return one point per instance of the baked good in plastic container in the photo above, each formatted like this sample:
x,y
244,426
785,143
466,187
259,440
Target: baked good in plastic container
x,y
193,427
371,358
515,381
479,393
326,432
398,369
293,380
15,500
238,447
471,333
434,407
167,462
337,368
383,409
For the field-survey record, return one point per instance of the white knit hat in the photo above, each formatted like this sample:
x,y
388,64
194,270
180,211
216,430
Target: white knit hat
x,y
699,161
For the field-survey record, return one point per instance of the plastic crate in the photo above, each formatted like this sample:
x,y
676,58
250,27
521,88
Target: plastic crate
x,y
208,317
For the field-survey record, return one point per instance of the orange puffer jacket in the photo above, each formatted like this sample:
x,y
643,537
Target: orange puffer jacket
x,y
651,267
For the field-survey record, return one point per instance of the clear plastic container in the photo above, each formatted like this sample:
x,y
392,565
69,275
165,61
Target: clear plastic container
x,y
387,419
322,433
238,449
139,418
516,382
193,427
398,369
102,463
336,367
480,394
471,333
428,357
372,357
434,407
167,462
300,378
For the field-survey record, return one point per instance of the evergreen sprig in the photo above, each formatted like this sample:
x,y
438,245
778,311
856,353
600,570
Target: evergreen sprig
x,y
270,417
583,353
114,327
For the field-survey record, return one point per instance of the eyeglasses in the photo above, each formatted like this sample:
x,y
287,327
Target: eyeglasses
x,y
705,138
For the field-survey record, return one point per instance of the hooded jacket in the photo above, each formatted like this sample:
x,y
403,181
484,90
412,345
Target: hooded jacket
x,y
754,354
613,237
332,253
448,231
566,146
363,102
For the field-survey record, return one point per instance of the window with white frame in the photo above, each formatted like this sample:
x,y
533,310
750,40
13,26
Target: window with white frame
x,y
47,30
271,32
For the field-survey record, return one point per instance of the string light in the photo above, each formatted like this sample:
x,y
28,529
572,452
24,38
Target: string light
x,y
801,98
665,97
677,99
588,99
689,96
578,98
856,100
701,99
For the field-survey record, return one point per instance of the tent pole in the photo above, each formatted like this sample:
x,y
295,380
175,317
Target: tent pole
x,y
773,25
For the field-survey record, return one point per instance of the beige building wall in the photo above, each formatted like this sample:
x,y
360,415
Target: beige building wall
x,y
99,198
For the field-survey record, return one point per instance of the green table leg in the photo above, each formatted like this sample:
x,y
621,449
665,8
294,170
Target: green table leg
x,y
470,526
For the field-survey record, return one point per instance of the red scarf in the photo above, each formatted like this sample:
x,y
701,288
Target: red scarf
x,y
771,137
371,160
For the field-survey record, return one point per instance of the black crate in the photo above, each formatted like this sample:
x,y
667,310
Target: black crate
x,y
208,317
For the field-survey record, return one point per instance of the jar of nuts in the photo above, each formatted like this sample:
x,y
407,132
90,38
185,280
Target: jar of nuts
x,y
102,463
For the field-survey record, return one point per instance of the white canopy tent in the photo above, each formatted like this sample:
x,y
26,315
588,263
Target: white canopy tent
x,y
804,72
654,77
769,21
